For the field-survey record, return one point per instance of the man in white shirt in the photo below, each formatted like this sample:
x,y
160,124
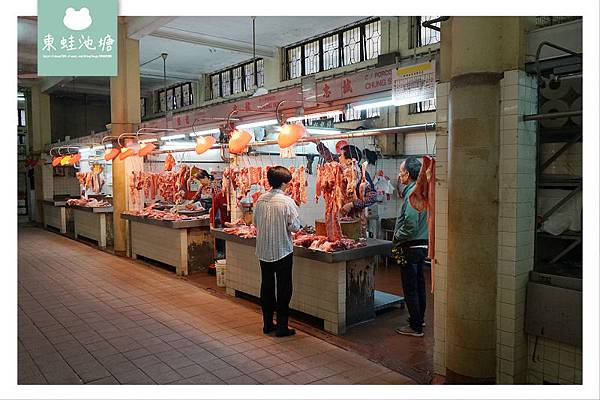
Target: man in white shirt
x,y
276,217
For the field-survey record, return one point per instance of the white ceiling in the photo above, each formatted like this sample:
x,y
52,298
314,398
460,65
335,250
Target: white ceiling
x,y
195,45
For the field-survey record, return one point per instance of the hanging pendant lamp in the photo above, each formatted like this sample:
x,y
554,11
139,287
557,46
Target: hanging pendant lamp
x,y
239,140
203,143
56,161
146,149
290,134
126,152
110,154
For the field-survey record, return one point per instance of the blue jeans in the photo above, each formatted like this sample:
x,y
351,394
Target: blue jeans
x,y
413,285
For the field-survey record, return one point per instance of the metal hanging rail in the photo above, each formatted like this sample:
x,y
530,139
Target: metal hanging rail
x,y
428,126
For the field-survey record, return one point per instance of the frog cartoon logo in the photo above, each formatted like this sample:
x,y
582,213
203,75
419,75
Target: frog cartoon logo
x,y
77,20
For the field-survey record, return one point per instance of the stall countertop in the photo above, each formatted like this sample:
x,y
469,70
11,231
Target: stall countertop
x,y
96,210
56,203
180,224
374,247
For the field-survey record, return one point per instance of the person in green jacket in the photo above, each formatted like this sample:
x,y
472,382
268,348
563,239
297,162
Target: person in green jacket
x,y
410,249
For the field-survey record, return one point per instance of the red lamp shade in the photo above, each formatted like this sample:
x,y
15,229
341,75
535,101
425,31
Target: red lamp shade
x,y
203,143
146,149
290,134
111,154
126,152
339,145
56,161
239,140
75,159
66,160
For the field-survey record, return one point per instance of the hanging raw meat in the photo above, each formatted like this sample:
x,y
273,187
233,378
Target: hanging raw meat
x,y
423,198
169,162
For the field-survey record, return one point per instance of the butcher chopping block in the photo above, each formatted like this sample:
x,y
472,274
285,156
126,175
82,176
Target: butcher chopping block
x,y
350,229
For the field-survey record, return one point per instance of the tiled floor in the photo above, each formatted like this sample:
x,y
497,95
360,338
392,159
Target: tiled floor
x,y
86,316
376,339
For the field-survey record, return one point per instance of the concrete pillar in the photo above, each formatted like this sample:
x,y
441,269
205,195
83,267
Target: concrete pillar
x,y
480,49
40,137
125,115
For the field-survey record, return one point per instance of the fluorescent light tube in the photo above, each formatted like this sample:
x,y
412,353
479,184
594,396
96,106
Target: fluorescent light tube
x,y
203,133
97,148
317,115
374,104
258,124
173,137
148,140
318,131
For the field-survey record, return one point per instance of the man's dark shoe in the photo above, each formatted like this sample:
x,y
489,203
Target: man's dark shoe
x,y
286,332
269,329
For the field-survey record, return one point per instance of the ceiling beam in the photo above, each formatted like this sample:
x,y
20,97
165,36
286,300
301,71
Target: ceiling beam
x,y
138,27
48,84
203,40
171,75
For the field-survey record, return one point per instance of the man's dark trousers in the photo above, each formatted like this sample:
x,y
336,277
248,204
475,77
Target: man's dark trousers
x,y
413,285
280,270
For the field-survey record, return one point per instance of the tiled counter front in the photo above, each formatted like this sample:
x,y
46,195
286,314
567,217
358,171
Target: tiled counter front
x,y
94,223
186,245
319,288
337,289
56,215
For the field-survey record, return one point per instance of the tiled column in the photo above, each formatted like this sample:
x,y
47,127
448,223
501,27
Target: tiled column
x,y
441,229
125,114
516,223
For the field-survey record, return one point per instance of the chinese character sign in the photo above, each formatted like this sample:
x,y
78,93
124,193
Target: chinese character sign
x,y
413,83
77,37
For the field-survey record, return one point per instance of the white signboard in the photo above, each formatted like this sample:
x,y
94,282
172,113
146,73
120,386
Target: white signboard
x,y
414,83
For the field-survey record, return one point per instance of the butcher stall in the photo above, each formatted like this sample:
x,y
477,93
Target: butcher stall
x,y
56,214
336,287
92,219
181,242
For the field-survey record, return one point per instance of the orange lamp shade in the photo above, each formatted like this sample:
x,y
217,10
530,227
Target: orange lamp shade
x,y
111,154
126,152
239,140
75,159
56,161
66,160
146,149
290,134
203,143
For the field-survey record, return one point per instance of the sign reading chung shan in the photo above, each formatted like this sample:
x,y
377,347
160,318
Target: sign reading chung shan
x,y
77,37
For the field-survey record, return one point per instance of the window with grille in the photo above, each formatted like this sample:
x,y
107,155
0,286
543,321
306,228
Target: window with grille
x,y
422,106
215,86
331,52
260,72
311,57
351,46
348,45
226,83
294,62
237,80
424,36
248,75
372,39
21,116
